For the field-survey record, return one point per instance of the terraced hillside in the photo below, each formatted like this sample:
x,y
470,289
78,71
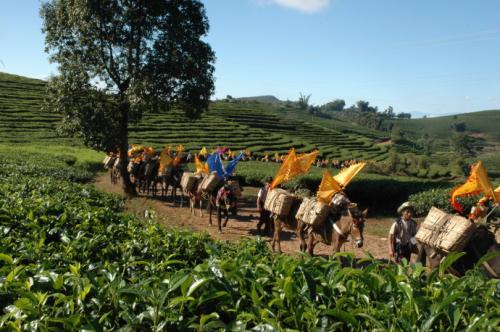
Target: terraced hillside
x,y
21,119
260,128
332,143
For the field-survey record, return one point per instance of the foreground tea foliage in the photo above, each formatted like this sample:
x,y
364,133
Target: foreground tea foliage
x,y
70,260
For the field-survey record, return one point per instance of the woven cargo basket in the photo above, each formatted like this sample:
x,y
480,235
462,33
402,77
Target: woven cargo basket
x,y
188,181
279,202
210,182
312,212
444,231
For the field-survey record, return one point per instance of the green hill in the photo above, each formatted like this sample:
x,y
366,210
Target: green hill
x,y
262,128
483,124
482,127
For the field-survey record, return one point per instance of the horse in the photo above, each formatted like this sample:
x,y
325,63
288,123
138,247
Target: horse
x,y
482,242
336,231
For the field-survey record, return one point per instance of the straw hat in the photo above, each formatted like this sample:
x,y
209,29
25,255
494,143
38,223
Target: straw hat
x,y
405,206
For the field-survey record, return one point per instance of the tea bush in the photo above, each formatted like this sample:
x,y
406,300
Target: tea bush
x,y
71,260
439,198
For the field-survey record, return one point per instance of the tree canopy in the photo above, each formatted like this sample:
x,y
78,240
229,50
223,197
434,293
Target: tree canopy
x,y
120,58
336,105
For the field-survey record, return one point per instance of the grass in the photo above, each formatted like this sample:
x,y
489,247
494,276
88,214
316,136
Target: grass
x,y
83,154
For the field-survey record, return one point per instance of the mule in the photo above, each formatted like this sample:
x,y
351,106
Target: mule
x,y
482,242
171,177
211,199
336,231
150,174
194,197
224,205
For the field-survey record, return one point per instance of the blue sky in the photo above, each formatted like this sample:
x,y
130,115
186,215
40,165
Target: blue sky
x,y
422,57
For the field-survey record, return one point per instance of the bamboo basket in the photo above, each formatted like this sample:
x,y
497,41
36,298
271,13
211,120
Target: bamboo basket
x,y
445,232
279,202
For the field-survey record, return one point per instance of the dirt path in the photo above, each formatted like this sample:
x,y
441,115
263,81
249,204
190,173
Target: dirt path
x,y
245,223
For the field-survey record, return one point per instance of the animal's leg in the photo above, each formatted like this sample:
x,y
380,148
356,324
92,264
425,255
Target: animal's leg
x,y
310,244
337,245
226,216
300,235
210,209
201,207
192,205
273,241
219,217
277,232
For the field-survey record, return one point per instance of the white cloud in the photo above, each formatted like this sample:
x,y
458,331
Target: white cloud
x,y
307,6
468,98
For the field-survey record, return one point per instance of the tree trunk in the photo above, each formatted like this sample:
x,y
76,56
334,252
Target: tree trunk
x,y
128,187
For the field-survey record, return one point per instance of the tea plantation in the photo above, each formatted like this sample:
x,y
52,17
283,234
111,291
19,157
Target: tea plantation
x,y
260,128
70,259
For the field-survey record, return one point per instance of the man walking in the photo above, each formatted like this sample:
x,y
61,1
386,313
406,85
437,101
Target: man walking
x,y
402,234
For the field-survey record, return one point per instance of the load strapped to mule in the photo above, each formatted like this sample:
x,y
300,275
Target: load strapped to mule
x,y
312,212
210,182
445,232
109,161
279,202
189,181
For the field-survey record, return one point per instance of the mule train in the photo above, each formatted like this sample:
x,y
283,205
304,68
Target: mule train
x,y
147,174
312,221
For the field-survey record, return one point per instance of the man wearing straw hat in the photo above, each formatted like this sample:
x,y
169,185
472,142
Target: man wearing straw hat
x,y
402,234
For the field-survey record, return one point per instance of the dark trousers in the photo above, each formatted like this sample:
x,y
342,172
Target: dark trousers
x,y
264,219
403,251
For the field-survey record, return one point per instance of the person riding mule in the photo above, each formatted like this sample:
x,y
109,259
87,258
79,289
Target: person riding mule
x,y
402,241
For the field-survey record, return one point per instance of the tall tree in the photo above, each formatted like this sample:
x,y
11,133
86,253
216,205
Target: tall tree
x,y
120,58
303,102
336,105
389,112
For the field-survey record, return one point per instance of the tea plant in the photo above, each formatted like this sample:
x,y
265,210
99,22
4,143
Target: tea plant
x,y
71,260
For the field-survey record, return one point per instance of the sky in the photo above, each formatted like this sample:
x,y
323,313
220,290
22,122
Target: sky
x,y
424,57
